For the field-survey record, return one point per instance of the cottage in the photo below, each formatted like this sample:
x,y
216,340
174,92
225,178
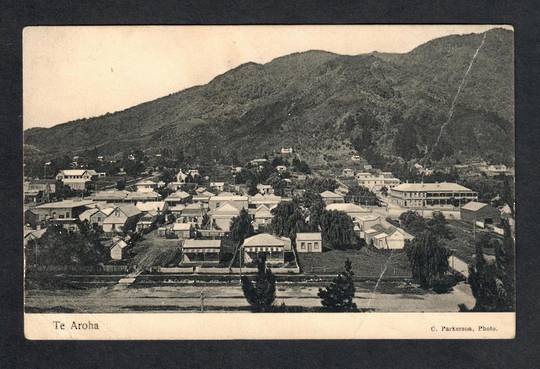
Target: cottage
x,y
330,197
270,201
286,150
352,210
262,216
366,221
394,240
273,247
355,158
76,179
201,252
123,219
203,198
31,235
473,212
192,213
281,168
221,217
118,248
97,218
146,222
183,230
309,242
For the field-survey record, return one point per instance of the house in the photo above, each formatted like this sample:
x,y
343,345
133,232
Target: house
x,y
270,201
368,167
31,219
377,182
347,172
265,189
235,200
309,242
281,168
366,221
87,214
76,179
330,197
274,247
146,186
34,196
221,217
369,234
134,197
182,230
66,209
257,162
218,186
352,210
178,197
395,240
431,195
495,170
286,150
203,198
123,219
146,221
262,216
118,248
235,170
192,213
355,158
474,211
201,252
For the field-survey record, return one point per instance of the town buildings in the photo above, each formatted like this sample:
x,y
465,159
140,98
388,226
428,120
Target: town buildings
x,y
201,252
431,195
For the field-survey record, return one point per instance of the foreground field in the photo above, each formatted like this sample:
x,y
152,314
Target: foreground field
x,y
365,262
391,297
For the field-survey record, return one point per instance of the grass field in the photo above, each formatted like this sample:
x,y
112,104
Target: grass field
x,y
155,251
463,242
365,262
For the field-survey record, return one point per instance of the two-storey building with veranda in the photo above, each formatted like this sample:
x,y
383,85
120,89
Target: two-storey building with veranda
x,y
431,195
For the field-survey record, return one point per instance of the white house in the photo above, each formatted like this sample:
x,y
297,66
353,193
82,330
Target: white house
x,y
348,172
265,189
219,186
272,246
393,241
286,150
281,168
309,242
118,247
262,216
145,186
76,179
221,217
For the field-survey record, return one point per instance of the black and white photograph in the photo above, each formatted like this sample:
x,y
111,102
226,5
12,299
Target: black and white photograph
x,y
269,172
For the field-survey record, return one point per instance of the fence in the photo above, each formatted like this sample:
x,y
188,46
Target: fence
x,y
78,268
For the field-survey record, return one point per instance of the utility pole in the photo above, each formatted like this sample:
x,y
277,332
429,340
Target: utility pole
x,y
202,300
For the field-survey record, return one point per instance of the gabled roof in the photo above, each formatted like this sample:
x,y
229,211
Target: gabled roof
x,y
129,210
329,194
143,195
474,206
266,239
226,209
262,211
178,195
380,235
73,172
405,234
88,213
347,208
308,236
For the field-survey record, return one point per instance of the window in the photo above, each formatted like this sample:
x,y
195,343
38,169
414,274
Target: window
x,y
303,245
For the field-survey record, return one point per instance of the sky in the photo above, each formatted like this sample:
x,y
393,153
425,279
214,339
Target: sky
x,y
80,72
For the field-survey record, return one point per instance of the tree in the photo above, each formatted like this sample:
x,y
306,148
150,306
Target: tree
x,y
428,258
339,295
337,230
439,226
319,185
241,227
205,221
121,184
384,190
277,183
492,281
412,222
261,293
361,195
288,219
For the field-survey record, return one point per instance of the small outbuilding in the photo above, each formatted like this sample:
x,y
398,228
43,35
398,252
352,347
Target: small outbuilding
x,y
475,211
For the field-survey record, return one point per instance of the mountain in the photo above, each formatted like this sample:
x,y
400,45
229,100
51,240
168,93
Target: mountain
x,y
386,106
